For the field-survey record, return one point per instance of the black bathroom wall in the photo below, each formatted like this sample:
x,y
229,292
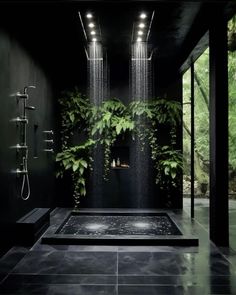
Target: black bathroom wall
x,y
40,45
19,69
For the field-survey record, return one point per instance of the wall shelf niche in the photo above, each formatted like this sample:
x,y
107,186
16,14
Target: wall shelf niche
x,y
120,158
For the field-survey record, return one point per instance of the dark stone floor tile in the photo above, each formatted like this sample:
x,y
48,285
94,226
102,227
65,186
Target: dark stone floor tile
x,y
185,281
64,262
19,279
154,263
222,290
160,280
2,277
160,290
71,289
11,258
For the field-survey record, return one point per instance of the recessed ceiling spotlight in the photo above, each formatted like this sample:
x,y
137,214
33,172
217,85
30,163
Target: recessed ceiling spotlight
x,y
93,33
94,39
141,25
140,33
139,39
89,15
91,25
143,15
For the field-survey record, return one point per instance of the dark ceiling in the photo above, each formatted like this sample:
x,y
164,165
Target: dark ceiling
x,y
52,32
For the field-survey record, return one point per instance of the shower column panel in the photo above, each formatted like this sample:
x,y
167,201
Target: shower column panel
x,y
219,216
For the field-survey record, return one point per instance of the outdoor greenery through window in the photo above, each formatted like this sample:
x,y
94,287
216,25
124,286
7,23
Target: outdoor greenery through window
x,y
232,105
201,122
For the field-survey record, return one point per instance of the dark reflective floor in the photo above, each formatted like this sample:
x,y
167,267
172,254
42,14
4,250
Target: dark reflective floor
x,y
123,270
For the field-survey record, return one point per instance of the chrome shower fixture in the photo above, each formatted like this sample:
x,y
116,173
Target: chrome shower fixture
x,y
31,108
20,172
19,120
48,141
48,131
48,150
19,147
27,87
21,95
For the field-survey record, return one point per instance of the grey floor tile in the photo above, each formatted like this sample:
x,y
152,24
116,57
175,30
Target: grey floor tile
x,y
160,290
21,279
65,262
71,289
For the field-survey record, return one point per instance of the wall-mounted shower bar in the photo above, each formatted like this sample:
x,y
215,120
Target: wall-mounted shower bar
x,y
25,186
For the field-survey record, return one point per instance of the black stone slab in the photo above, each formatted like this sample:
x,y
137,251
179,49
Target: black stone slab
x,y
31,226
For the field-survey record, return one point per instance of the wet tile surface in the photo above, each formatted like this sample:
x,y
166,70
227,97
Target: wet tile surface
x,y
120,270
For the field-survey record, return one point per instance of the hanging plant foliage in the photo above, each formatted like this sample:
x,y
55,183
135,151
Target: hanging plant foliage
x,y
103,125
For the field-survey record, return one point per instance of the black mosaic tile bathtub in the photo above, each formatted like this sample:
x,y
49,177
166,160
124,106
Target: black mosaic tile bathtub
x,y
119,228
98,225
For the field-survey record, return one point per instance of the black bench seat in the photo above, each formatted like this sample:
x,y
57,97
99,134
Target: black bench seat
x,y
32,225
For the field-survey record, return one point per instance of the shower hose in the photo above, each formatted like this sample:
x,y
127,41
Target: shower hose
x,y
25,181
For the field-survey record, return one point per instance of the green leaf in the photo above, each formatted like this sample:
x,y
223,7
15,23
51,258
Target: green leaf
x,y
72,117
75,166
68,166
118,129
81,170
83,191
84,163
173,174
107,116
173,164
167,170
81,181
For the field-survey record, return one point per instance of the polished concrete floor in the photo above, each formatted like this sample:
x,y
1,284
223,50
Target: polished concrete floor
x,y
124,270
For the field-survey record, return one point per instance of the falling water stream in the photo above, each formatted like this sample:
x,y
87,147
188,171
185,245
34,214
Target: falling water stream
x,y
95,70
140,73
96,91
